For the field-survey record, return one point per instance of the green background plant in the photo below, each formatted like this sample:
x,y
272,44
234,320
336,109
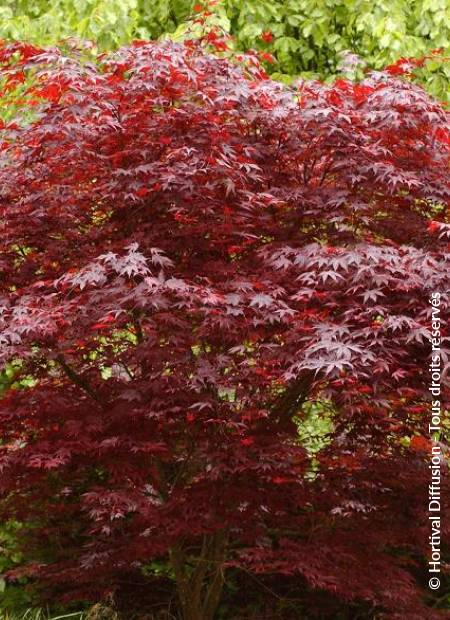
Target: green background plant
x,y
310,37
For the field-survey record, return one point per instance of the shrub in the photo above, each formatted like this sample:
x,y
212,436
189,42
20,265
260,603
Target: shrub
x,y
192,257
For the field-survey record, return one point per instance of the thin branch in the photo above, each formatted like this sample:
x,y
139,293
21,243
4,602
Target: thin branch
x,y
77,380
290,401
138,327
127,370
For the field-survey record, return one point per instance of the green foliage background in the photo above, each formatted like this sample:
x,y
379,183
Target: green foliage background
x,y
310,37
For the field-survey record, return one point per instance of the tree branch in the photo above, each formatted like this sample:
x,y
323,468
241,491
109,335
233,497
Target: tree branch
x,y
290,401
214,591
77,380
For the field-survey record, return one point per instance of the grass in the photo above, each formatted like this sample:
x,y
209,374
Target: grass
x,y
39,614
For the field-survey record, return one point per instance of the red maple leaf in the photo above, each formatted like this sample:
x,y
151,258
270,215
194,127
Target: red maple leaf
x,y
267,36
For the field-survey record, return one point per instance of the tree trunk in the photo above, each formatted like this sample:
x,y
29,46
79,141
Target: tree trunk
x,y
200,589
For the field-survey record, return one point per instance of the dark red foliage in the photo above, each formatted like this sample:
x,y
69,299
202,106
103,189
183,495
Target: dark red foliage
x,y
189,252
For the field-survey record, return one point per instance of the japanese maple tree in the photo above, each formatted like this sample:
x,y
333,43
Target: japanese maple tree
x,y
191,255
